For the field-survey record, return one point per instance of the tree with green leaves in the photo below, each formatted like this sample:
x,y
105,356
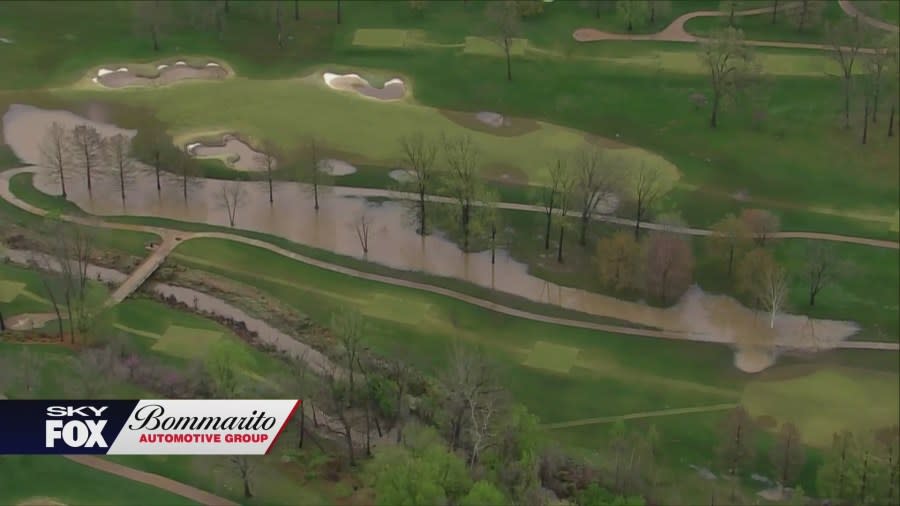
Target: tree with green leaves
x,y
483,493
839,476
787,454
731,66
737,446
633,12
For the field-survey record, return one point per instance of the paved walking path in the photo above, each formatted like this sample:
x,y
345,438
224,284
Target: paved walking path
x,y
643,414
676,32
145,270
851,10
154,480
180,237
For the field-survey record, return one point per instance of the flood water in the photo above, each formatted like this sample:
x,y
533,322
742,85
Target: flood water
x,y
240,156
393,242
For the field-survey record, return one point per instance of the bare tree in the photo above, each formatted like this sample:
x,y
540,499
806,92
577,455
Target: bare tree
x,y
737,445
469,384
362,224
338,11
209,14
761,223
400,372
54,153
845,37
462,179
151,18
596,176
51,281
338,395
87,150
731,67
646,187
26,370
821,267
279,28
566,195
296,10
266,158
348,326
70,255
875,64
505,21
313,172
806,14
244,465
787,454
233,196
658,7
119,155
419,155
669,267
93,368
729,7
550,194
187,175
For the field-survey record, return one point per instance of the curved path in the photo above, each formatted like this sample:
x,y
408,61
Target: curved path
x,y
819,236
182,237
154,480
643,414
853,11
675,31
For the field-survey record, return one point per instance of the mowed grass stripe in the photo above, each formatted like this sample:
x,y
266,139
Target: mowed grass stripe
x,y
645,414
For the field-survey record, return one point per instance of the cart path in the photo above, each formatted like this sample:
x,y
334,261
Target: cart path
x,y
154,480
675,31
643,414
853,11
181,237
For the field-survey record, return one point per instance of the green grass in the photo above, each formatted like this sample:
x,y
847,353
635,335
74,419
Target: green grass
x,y
67,482
482,46
186,342
380,38
10,290
552,357
627,374
828,401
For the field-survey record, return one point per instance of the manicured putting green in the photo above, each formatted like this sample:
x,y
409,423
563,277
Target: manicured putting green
x,y
9,290
480,45
380,37
186,342
393,308
826,402
552,357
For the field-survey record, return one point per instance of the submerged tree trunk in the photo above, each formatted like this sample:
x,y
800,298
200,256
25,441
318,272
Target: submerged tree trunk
x,y
547,233
846,102
422,221
713,119
316,196
302,423
891,122
493,242
156,167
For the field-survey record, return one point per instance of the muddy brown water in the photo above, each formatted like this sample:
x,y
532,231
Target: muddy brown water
x,y
393,242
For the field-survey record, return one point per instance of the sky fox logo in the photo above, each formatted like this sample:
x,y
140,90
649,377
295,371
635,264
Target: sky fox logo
x,y
75,433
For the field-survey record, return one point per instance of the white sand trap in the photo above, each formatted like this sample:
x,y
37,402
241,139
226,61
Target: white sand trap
x,y
5,40
401,175
123,77
236,153
213,64
753,360
336,167
39,501
394,89
180,62
492,119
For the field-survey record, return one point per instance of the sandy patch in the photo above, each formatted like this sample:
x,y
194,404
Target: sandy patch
x,y
394,89
336,167
753,359
402,176
236,153
166,74
492,119
5,40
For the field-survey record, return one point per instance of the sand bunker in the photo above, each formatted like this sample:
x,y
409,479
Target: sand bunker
x,y
40,501
492,119
167,74
336,167
401,175
4,40
236,153
395,89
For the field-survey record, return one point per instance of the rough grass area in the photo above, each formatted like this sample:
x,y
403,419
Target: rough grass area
x,y
380,37
186,342
686,62
823,402
552,357
9,290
